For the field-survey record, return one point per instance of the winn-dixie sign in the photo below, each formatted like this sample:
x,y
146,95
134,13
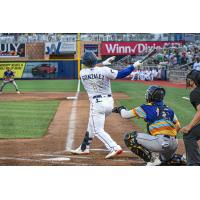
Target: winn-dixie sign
x,y
132,48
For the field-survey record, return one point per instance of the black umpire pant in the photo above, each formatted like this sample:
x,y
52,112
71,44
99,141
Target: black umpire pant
x,y
191,146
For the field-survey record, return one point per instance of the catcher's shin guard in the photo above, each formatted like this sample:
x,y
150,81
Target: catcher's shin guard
x,y
86,141
139,150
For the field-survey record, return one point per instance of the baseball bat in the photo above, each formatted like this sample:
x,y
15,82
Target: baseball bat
x,y
151,53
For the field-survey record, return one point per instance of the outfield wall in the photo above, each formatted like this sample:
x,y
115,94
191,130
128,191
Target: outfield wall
x,y
28,59
55,69
177,75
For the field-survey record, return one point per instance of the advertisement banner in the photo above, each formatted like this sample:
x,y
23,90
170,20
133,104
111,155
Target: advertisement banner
x,y
60,48
40,70
133,48
12,50
91,48
17,67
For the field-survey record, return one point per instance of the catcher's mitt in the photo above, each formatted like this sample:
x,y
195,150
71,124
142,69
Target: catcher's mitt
x,y
118,109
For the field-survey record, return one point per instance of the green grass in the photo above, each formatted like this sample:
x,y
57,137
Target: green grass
x,y
31,119
136,92
17,115
173,99
44,86
26,119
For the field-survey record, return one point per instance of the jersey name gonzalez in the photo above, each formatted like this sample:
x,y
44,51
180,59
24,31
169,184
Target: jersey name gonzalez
x,y
93,76
96,81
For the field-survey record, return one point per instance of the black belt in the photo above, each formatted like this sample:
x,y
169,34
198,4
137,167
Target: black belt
x,y
168,136
100,96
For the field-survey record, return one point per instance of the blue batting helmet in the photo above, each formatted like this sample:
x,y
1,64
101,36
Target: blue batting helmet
x,y
89,59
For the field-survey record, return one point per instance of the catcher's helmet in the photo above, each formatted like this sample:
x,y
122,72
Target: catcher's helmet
x,y
194,75
155,93
89,59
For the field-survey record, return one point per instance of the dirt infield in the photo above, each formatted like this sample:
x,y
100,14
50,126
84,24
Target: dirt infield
x,y
52,148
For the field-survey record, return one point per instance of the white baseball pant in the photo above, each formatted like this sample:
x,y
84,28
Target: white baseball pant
x,y
6,82
165,146
100,108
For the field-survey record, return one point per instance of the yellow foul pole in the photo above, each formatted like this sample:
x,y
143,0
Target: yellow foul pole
x,y
79,53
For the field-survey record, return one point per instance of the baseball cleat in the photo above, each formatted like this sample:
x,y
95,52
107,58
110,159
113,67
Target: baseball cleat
x,y
155,162
116,151
79,151
18,92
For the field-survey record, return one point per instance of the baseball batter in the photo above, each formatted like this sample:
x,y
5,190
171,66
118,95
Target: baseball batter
x,y
162,127
9,78
96,81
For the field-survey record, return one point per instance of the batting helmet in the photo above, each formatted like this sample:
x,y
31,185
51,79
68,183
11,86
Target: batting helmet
x,y
89,59
155,93
194,75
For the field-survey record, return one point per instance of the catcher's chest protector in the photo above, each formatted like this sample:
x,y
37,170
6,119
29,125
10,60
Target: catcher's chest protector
x,y
155,113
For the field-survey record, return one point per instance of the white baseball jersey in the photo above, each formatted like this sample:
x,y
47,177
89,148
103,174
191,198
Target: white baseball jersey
x,y
96,81
196,66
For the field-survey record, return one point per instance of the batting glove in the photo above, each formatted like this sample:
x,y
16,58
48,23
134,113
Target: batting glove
x,y
108,61
138,64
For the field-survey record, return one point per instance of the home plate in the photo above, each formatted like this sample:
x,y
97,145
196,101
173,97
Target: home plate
x,y
57,159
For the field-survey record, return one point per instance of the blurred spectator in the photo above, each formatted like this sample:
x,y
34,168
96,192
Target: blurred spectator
x,y
144,75
196,65
154,73
184,59
190,57
134,75
31,37
175,56
159,74
36,37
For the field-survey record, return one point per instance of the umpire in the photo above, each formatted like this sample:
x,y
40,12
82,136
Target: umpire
x,y
192,130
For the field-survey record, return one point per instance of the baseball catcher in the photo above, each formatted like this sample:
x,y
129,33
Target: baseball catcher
x,y
9,78
162,127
